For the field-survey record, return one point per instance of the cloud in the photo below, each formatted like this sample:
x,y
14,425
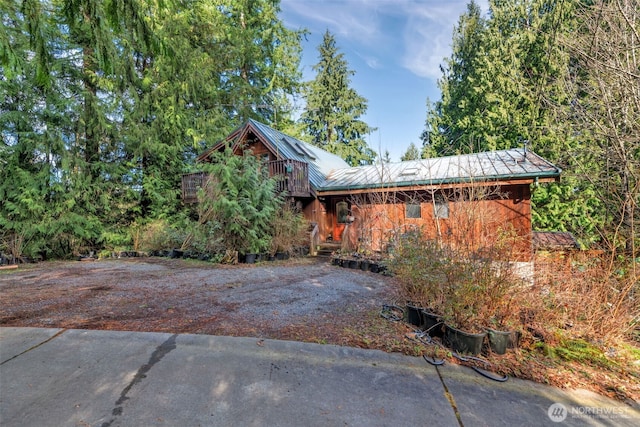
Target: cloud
x,y
414,34
353,20
428,34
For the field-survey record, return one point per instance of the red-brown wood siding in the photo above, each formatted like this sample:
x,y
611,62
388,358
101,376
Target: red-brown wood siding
x,y
471,224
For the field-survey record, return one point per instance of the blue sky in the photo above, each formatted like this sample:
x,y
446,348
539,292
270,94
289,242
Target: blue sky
x,y
395,48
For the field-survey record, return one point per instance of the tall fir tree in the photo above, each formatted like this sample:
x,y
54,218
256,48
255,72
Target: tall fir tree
x,y
105,103
412,153
333,109
449,126
498,89
239,62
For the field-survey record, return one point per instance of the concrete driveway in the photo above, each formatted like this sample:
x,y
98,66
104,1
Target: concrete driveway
x,y
66,377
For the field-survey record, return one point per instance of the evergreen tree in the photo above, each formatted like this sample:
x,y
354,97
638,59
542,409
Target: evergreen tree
x,y
412,153
493,84
238,63
242,202
386,159
333,108
43,200
450,121
105,103
498,87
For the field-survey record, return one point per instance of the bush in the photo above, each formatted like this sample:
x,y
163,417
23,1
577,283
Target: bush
x,y
157,235
239,202
471,290
289,230
584,296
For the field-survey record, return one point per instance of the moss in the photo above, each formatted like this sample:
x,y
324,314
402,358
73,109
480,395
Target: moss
x,y
578,350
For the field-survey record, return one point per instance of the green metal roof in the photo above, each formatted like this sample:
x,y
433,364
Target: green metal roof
x,y
328,172
514,164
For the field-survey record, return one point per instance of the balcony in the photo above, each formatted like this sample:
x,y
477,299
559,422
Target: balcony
x,y
292,177
191,182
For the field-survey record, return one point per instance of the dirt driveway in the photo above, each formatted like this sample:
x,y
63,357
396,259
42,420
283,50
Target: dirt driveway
x,y
307,299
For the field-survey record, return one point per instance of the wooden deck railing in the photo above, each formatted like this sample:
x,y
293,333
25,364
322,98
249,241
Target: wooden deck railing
x,y
191,182
292,177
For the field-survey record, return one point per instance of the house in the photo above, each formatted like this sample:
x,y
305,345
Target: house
x,y
465,199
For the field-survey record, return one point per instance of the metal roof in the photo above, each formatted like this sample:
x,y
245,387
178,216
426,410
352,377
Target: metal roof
x,y
491,166
329,172
321,162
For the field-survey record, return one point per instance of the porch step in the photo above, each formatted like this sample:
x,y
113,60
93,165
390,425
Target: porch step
x,y
327,248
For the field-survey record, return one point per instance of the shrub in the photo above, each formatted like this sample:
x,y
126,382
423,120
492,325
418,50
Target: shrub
x,y
585,296
470,289
237,205
289,230
157,235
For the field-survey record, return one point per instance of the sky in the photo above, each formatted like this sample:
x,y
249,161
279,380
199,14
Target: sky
x,y
395,48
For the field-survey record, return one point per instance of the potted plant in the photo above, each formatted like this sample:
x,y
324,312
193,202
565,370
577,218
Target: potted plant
x,y
417,264
253,246
460,301
288,231
412,314
500,327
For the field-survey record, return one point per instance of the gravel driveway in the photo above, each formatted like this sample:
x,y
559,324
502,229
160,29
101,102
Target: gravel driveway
x,y
306,299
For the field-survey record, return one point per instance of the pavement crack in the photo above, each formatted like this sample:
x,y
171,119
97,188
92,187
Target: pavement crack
x,y
160,351
35,346
450,398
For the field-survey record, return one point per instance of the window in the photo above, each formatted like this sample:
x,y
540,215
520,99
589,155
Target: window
x,y
412,210
342,211
441,207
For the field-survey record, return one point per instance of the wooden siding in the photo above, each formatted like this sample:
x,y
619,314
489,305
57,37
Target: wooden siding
x,y
471,224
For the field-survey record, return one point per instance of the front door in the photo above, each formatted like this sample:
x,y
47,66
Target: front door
x,y
340,214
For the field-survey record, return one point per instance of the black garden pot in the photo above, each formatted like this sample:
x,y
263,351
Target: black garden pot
x,y
364,265
500,341
374,268
250,258
432,323
175,253
413,315
354,264
463,342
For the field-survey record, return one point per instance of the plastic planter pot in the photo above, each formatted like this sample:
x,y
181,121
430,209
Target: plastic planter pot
x,y
354,264
432,324
175,253
250,258
499,341
364,265
463,342
413,315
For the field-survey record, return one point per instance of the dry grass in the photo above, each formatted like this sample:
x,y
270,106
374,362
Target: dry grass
x,y
582,295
